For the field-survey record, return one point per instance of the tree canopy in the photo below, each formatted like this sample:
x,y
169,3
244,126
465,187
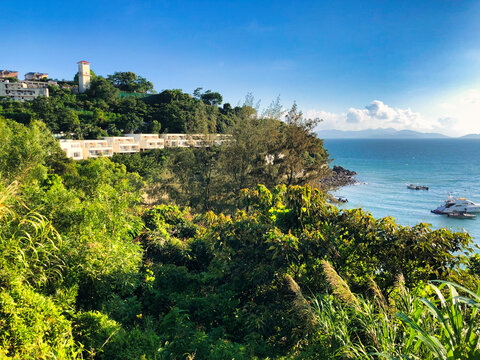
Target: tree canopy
x,y
130,82
222,252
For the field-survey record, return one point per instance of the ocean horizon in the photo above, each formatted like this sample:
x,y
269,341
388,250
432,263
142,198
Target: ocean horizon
x,y
386,166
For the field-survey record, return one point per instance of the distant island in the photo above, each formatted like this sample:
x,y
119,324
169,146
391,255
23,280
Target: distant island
x,y
471,136
388,133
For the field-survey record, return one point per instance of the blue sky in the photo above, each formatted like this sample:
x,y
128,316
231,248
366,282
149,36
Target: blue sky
x,y
357,64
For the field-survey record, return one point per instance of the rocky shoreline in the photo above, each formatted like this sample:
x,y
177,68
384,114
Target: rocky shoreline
x,y
339,177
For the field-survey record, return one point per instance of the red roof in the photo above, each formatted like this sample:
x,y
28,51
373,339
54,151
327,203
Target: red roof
x,y
83,62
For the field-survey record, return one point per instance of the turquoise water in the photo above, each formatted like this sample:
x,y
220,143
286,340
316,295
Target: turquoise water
x,y
385,167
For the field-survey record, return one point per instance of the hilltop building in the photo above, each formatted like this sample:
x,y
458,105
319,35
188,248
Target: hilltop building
x,y
24,90
5,74
83,76
35,76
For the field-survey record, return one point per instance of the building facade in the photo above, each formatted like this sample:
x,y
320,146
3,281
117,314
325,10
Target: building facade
x,y
35,76
24,90
96,148
122,144
85,149
8,74
133,143
73,148
148,141
83,76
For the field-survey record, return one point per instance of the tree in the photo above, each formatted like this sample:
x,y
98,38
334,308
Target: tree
x,y
197,173
132,112
102,89
208,97
25,151
69,121
130,82
244,156
303,155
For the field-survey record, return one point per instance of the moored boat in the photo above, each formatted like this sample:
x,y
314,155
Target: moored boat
x,y
457,205
417,187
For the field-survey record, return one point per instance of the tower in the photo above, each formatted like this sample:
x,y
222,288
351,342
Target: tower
x,y
83,76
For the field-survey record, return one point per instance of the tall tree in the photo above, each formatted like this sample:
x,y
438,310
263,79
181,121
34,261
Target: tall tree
x,y
303,156
130,82
102,89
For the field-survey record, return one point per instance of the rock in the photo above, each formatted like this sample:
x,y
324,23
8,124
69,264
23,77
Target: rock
x,y
339,177
341,170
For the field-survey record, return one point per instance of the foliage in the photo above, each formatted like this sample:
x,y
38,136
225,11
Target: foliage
x,y
33,326
26,152
102,111
420,324
89,269
131,82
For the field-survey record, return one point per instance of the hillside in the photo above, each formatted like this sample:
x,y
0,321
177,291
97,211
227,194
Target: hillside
x,y
90,270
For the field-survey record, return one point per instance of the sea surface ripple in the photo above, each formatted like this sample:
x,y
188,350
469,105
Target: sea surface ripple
x,y
385,167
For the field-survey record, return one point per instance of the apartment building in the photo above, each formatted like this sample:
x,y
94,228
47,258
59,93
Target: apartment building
x,y
35,76
96,148
24,90
122,144
148,141
132,143
73,148
85,149
174,140
8,74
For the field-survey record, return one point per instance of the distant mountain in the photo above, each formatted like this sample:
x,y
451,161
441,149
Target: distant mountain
x,y
388,133
470,136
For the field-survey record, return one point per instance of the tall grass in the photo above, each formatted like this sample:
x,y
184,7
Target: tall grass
x,y
438,320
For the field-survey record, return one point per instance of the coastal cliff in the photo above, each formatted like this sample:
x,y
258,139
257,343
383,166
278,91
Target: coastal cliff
x,y
339,177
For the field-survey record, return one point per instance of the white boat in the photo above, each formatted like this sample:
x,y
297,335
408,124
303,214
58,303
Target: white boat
x,y
457,205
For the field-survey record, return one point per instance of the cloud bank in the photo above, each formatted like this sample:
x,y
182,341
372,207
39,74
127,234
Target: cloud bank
x,y
374,115
457,115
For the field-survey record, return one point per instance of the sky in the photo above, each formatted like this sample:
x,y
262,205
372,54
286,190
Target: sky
x,y
410,64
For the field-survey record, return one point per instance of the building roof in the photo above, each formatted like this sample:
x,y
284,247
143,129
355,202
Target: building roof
x,y
83,62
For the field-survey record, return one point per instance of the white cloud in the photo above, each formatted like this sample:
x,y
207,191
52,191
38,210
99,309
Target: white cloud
x,y
374,115
454,115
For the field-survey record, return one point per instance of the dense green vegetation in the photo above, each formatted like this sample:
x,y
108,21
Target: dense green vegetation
x,y
101,111
180,254
261,150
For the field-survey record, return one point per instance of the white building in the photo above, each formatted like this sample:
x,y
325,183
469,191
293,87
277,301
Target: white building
x,y
174,140
122,144
96,148
83,76
132,143
24,90
73,148
85,149
148,141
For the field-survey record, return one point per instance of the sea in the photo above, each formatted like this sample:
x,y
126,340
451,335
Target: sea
x,y
386,166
